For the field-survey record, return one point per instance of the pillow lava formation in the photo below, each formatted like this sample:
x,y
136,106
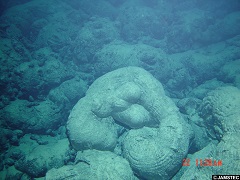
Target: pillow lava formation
x,y
156,138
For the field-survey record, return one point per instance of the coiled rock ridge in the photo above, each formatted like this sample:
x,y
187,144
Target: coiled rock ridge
x,y
156,138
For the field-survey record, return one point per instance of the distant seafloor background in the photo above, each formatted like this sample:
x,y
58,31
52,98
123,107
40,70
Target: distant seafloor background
x,y
52,51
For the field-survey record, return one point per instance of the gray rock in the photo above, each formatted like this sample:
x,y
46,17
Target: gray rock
x,y
42,158
134,99
32,117
93,164
69,92
220,111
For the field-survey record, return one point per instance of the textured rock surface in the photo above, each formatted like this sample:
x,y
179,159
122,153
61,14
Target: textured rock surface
x,y
119,54
42,158
93,164
227,151
31,117
157,153
68,92
41,77
134,99
230,72
47,46
220,110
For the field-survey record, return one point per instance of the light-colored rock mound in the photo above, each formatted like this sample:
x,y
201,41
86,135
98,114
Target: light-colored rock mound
x,y
93,164
158,138
43,158
32,117
220,110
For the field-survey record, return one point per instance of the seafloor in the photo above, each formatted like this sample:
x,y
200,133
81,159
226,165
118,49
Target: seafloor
x,y
119,89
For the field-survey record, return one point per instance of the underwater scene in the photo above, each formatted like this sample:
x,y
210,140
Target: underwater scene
x,y
119,89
